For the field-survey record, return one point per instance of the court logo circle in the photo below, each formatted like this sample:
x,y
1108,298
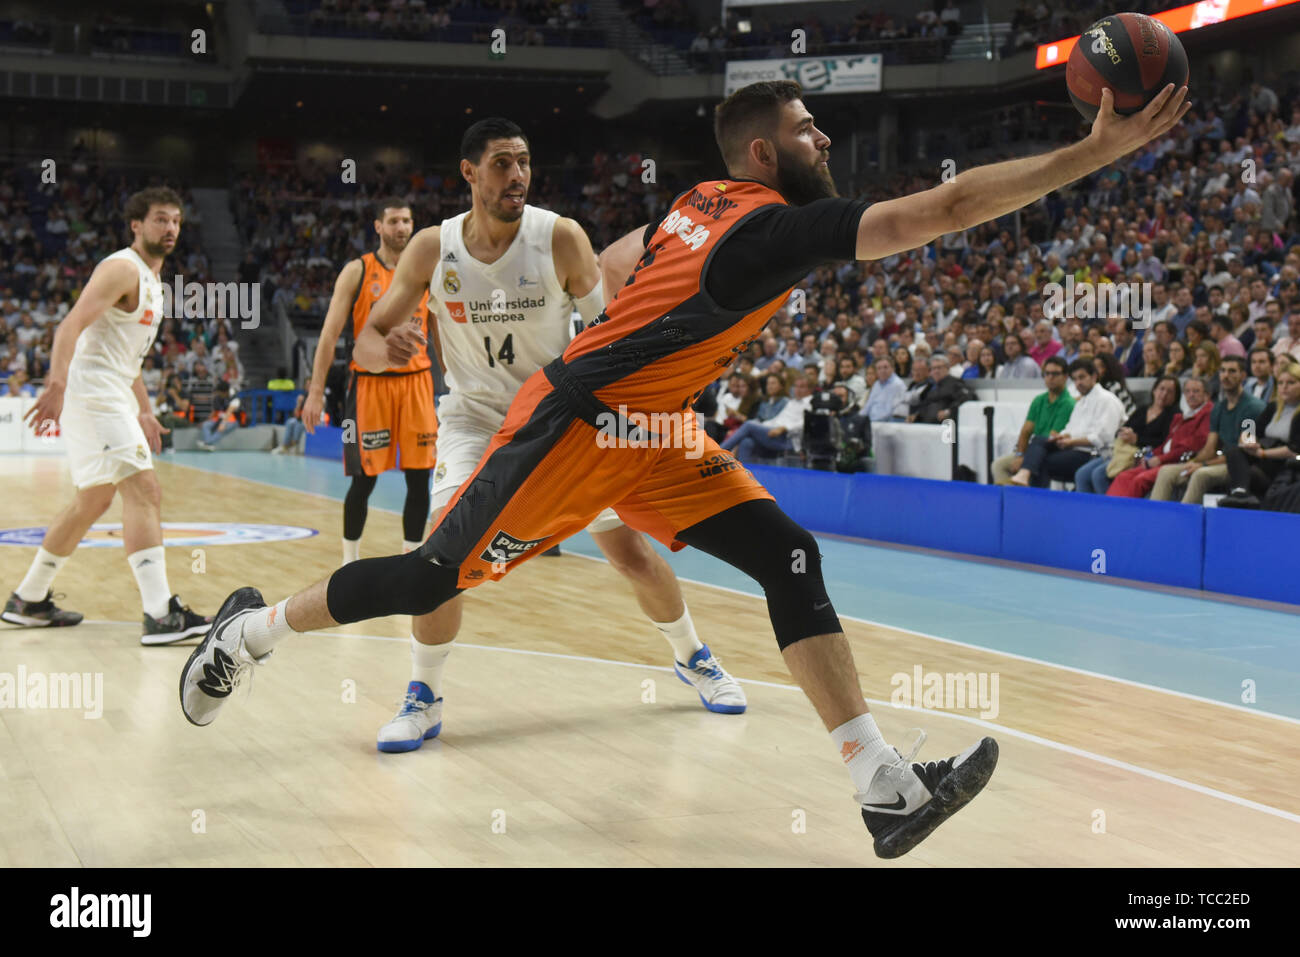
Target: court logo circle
x,y
175,534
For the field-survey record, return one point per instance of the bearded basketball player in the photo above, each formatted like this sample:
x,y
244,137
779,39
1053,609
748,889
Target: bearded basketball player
x,y
95,396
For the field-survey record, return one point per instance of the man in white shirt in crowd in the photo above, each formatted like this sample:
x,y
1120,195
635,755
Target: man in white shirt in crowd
x,y
1090,431
772,437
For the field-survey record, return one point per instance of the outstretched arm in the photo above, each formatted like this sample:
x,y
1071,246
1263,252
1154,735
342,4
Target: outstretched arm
x,y
987,192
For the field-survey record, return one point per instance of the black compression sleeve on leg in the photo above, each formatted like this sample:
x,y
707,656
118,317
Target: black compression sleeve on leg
x,y
354,505
771,548
415,514
395,585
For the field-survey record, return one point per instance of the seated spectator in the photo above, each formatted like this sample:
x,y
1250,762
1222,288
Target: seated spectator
x,y
1187,434
1146,429
1018,365
1208,470
1095,419
1196,333
295,432
941,396
912,397
1048,414
1225,341
902,364
281,382
772,437
224,420
1290,343
1044,345
848,373
199,389
1127,346
1205,366
774,397
151,375
1110,375
1261,381
986,365
1154,360
17,386
733,404
1253,465
886,395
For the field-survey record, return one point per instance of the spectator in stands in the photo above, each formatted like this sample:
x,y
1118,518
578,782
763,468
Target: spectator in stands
x,y
281,382
1221,332
1206,367
1290,343
1111,376
886,395
1261,381
199,389
1128,346
224,420
1154,360
1048,413
17,386
1146,429
920,382
1253,465
1095,419
774,397
1196,333
1184,313
1179,364
940,397
770,348
1187,434
772,437
733,406
1044,345
902,363
1208,469
847,372
987,367
294,435
1018,365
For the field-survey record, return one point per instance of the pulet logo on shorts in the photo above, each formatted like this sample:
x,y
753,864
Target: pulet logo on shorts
x,y
504,548
457,311
375,440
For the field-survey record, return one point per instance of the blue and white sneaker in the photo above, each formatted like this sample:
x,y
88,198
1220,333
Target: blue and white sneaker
x,y
719,691
419,720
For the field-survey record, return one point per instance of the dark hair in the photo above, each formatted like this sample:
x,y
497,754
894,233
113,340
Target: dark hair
x,y
389,202
139,204
477,137
1200,327
1084,364
1114,371
1168,325
1058,361
751,113
1178,389
1237,359
1223,322
1264,349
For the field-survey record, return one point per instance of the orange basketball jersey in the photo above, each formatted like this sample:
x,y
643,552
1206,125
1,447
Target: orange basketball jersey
x,y
662,339
375,279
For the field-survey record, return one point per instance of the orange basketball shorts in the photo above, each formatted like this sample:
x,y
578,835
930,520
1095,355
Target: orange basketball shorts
x,y
389,413
548,472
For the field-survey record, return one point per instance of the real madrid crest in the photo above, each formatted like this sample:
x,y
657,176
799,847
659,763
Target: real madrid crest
x,y
451,282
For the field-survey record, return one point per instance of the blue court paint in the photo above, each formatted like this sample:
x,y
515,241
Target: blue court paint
x,y
1193,645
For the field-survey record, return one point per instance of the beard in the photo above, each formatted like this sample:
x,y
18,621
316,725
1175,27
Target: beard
x,y
398,243
154,249
801,184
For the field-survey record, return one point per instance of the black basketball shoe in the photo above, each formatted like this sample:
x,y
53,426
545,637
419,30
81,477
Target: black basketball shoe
x,y
908,800
38,614
178,624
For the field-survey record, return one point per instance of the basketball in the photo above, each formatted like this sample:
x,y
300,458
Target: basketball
x,y
1133,54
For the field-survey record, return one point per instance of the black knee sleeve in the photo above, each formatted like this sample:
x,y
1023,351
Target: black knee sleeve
x,y
354,505
415,514
395,585
771,548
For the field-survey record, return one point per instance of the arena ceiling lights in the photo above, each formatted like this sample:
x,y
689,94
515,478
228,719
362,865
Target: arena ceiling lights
x,y
1180,19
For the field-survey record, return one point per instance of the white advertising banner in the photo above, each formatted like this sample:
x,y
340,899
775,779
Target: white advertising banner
x,y
830,74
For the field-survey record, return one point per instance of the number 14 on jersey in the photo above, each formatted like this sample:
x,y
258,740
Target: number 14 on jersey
x,y
506,353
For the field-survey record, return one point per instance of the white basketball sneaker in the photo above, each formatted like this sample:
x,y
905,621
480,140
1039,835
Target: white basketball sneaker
x,y
221,661
719,691
419,719
907,801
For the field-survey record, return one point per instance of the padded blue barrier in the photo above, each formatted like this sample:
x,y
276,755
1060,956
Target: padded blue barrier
x,y
816,500
325,443
1157,542
953,516
1252,553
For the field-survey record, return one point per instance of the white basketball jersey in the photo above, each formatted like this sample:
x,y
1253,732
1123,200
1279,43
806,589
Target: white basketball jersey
x,y
111,349
498,323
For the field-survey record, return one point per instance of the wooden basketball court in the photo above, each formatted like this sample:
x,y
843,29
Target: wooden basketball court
x,y
567,740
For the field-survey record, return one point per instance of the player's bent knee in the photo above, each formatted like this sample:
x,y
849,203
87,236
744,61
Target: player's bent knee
x,y
395,585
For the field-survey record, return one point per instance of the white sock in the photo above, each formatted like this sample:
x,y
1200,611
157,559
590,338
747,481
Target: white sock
x,y
351,550
150,568
681,635
263,629
862,749
427,662
410,546
40,576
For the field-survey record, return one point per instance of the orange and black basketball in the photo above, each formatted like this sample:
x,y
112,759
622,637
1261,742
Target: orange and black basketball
x,y
1133,54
